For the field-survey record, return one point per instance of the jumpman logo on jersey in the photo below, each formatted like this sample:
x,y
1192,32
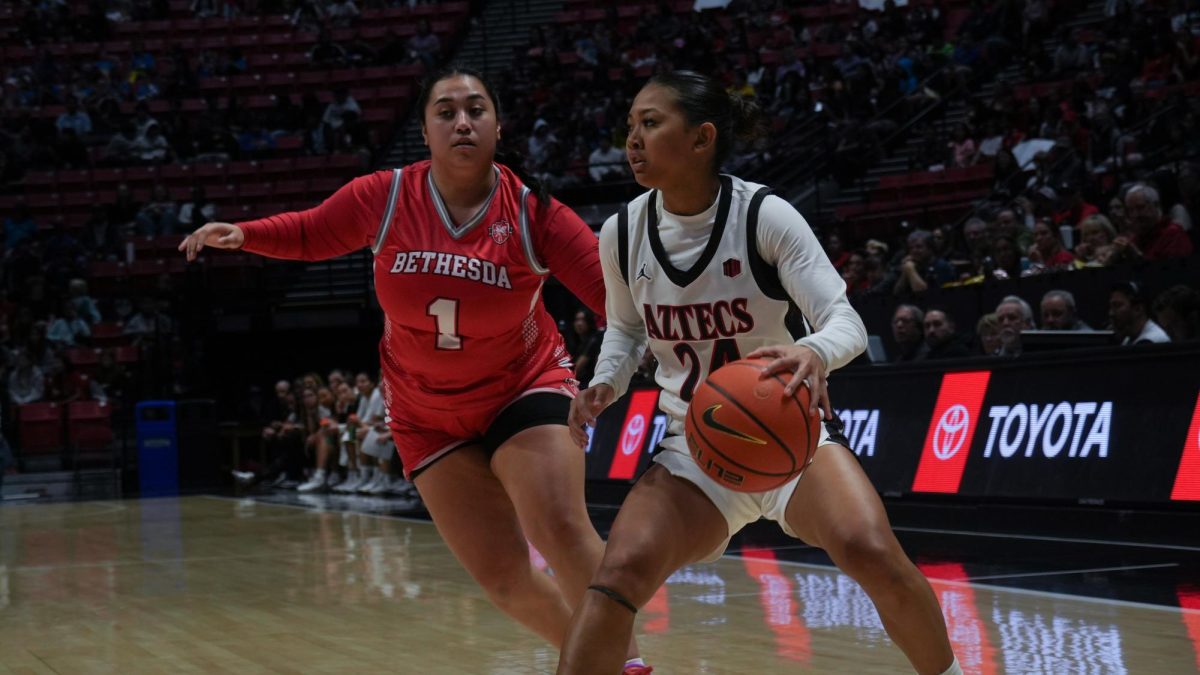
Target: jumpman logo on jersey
x,y
642,274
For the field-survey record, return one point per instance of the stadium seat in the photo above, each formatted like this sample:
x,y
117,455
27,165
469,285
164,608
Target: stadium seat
x,y
89,425
40,428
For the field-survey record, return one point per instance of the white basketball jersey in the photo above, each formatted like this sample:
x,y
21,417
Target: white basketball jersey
x,y
728,303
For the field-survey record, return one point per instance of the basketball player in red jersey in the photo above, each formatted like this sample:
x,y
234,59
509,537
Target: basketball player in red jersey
x,y
671,281
477,382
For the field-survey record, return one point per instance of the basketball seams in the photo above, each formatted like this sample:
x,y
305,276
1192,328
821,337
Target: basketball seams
x,y
716,450
744,363
787,448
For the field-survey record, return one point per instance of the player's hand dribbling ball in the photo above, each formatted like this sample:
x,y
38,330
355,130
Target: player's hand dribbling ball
x,y
746,433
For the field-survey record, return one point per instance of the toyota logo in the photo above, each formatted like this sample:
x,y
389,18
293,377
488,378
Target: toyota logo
x,y
633,434
951,431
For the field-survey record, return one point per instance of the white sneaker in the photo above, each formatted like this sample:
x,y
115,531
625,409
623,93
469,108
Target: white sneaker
x,y
334,480
369,483
352,482
399,486
380,486
317,482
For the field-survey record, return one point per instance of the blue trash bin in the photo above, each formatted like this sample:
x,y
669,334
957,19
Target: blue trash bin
x,y
158,448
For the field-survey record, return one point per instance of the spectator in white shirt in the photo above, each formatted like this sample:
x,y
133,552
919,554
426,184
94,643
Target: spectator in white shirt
x,y
1130,320
67,329
26,384
606,162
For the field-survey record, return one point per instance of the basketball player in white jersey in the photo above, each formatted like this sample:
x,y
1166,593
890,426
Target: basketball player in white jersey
x,y
702,269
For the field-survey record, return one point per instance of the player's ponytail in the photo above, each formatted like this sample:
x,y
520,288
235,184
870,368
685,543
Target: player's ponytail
x,y
703,99
747,118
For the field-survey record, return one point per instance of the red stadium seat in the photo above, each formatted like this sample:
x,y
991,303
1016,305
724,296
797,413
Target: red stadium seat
x,y
89,425
109,334
40,428
83,358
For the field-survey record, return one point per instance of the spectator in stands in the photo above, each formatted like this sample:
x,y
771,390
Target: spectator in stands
x,y
424,47
75,119
342,13
123,211
854,273
987,330
1072,55
334,116
198,210
1116,215
1154,236
962,148
1177,311
834,250
85,306
68,329
153,148
18,226
100,236
26,383
1095,232
1014,315
1075,209
160,215
1128,313
149,322
920,268
1006,261
1047,252
941,337
326,53
607,162
975,238
908,326
313,418
1058,312
110,381
122,147
1008,224
143,120
583,343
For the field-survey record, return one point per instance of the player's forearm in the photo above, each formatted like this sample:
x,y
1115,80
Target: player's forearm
x,y
619,357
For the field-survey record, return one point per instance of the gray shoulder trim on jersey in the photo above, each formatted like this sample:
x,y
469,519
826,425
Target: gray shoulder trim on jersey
x,y
388,211
527,237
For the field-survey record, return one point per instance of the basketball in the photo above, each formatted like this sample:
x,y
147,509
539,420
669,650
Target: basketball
x,y
745,433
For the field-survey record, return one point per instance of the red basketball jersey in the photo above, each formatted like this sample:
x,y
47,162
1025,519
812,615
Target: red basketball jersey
x,y
464,327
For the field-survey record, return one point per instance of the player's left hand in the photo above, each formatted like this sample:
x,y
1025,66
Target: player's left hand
x,y
806,368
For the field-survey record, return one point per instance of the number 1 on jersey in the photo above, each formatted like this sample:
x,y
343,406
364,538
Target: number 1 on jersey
x,y
445,311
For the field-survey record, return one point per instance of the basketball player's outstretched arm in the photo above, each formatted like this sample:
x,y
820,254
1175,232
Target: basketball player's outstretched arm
x,y
341,224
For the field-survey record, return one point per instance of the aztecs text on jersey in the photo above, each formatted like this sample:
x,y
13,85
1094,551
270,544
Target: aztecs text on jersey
x,y
719,308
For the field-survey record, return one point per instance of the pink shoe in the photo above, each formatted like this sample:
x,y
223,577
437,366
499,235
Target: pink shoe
x,y
637,670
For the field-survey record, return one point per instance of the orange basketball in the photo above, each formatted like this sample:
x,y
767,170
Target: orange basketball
x,y
745,433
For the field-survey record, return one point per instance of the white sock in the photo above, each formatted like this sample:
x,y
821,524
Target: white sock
x,y
635,662
319,474
954,668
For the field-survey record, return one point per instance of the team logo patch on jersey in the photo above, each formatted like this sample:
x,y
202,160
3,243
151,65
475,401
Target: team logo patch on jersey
x,y
732,267
500,230
642,274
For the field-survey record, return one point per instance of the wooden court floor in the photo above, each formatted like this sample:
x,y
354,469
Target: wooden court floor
x,y
217,585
